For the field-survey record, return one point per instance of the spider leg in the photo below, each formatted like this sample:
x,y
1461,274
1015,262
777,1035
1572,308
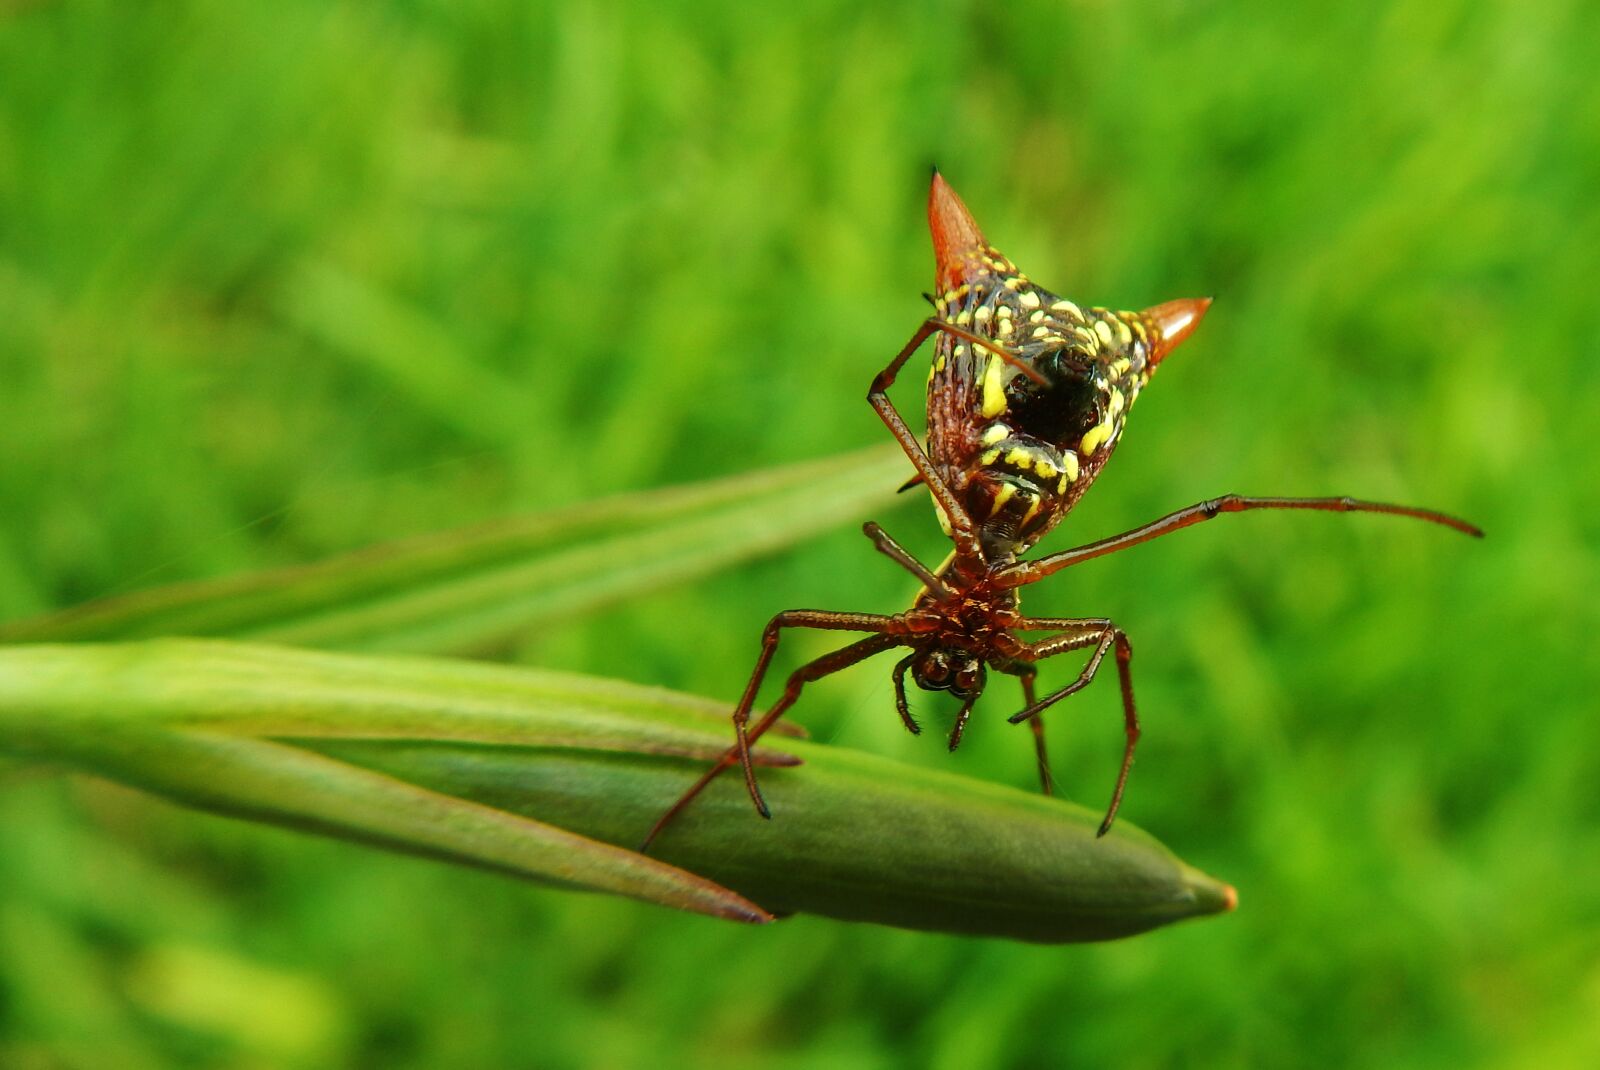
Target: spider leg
x,y
887,636
961,722
1130,724
1026,675
1104,636
1085,633
962,529
1026,572
900,703
1046,781
901,556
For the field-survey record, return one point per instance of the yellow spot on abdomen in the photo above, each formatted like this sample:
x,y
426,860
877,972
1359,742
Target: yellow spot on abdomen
x,y
1094,438
1006,492
994,387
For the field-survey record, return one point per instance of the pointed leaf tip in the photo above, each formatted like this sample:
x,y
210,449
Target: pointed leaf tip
x,y
1207,894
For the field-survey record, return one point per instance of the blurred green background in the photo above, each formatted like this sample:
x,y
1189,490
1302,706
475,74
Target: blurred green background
x,y
282,280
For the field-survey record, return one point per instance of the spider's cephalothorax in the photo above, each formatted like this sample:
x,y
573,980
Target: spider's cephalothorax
x,y
1027,397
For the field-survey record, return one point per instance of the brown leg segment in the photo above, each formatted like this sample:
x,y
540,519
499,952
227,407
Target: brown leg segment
x,y
962,530
961,722
826,665
901,556
1026,572
1100,639
1104,636
1046,781
1130,723
843,658
900,703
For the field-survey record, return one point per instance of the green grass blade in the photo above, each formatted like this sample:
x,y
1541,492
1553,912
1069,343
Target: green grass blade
x,y
465,589
433,755
287,785
408,349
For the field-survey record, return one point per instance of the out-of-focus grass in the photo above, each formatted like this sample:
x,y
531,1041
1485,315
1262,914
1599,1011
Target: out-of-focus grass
x,y
471,589
283,280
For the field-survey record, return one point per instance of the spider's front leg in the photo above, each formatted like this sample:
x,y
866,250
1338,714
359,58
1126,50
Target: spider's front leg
x,y
887,636
962,529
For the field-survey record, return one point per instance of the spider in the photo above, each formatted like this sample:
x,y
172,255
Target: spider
x,y
1027,397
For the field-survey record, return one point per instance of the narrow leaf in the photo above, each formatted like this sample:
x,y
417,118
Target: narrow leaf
x,y
464,589
287,785
385,748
